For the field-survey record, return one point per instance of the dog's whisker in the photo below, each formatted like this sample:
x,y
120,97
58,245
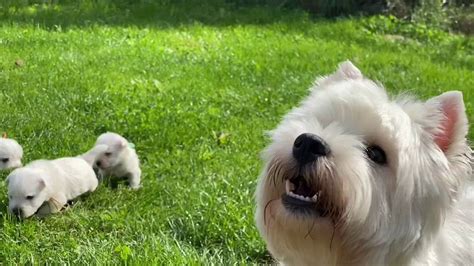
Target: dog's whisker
x,y
332,236
265,211
310,229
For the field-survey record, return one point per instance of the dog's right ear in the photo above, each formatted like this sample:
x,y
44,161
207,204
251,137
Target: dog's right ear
x,y
345,71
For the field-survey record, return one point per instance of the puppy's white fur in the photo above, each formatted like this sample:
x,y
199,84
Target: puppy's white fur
x,y
114,157
415,210
55,181
93,154
11,154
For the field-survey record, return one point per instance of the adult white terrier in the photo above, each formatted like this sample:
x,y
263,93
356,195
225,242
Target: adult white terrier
x,y
54,182
354,178
115,157
11,153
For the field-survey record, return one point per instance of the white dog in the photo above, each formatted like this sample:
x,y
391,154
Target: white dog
x,y
48,181
115,157
11,153
354,178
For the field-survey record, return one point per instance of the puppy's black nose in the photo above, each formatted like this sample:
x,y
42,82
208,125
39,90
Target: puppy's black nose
x,y
308,147
17,212
98,163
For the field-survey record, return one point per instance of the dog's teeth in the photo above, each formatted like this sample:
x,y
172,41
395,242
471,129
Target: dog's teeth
x,y
289,186
315,197
301,197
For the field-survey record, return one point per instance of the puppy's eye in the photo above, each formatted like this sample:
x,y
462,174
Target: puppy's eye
x,y
376,154
5,160
29,197
108,154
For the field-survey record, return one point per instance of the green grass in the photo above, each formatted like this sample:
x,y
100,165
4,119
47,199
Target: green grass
x,y
194,87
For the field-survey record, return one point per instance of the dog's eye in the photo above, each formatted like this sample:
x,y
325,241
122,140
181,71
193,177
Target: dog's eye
x,y
29,197
376,154
108,154
5,160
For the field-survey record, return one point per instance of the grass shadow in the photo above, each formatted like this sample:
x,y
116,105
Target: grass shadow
x,y
53,14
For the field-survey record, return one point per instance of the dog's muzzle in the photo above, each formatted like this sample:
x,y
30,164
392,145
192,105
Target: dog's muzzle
x,y
18,212
301,195
308,147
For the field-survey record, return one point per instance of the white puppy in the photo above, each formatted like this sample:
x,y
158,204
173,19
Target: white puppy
x,y
11,153
48,181
115,157
353,177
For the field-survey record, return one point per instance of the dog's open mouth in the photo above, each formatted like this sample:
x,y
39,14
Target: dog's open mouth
x,y
301,198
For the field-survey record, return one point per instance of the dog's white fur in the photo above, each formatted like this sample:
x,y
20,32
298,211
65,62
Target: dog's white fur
x,y
54,181
11,154
114,157
93,154
416,210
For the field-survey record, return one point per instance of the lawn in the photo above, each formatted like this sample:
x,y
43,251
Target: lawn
x,y
195,88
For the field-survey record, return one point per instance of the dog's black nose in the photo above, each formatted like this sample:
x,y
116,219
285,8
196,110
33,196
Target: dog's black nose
x,y
17,212
308,147
97,163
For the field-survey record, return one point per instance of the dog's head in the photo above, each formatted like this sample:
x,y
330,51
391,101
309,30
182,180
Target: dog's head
x,y
27,191
113,155
352,176
11,153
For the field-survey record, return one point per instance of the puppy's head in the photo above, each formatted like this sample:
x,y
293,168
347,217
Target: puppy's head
x,y
354,177
11,153
27,191
113,154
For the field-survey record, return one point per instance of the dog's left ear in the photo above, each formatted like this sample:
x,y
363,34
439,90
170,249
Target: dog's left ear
x,y
450,117
41,184
122,144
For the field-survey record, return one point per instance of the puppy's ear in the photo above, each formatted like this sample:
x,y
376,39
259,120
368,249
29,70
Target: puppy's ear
x,y
449,115
41,184
122,144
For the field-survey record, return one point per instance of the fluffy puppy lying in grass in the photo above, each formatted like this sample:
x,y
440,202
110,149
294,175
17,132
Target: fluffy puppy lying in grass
x,y
115,157
45,186
11,153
